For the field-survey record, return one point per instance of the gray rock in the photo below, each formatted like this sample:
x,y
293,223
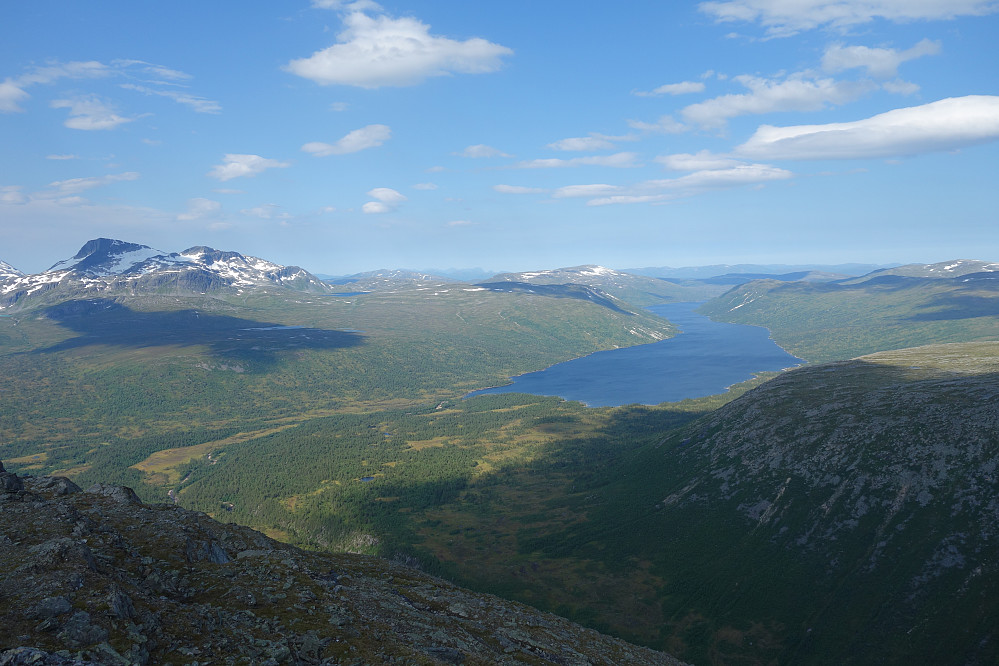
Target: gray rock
x,y
28,656
120,603
79,631
10,482
120,494
205,551
50,607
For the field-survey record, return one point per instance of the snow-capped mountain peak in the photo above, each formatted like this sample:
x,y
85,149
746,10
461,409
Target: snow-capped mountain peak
x,y
7,271
106,256
106,264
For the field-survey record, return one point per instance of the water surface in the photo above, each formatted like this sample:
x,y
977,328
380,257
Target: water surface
x,y
704,359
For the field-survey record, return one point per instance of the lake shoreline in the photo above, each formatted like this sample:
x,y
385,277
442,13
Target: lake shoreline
x,y
704,358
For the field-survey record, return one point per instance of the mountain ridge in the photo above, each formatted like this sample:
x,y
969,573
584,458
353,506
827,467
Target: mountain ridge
x,y
108,265
97,576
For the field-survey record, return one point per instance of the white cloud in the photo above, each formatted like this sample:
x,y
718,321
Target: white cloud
x,y
781,17
236,166
339,106
265,212
153,69
482,150
654,191
11,94
425,186
947,124
880,62
665,125
12,195
90,113
617,160
682,88
12,90
62,157
370,136
592,142
697,162
585,191
199,208
518,189
383,51
796,93
460,223
198,104
77,185
387,195
375,207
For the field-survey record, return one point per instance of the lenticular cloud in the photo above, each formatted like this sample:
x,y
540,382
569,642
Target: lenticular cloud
x,y
948,124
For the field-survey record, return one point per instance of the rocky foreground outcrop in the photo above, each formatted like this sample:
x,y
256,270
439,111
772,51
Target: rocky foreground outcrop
x,y
98,577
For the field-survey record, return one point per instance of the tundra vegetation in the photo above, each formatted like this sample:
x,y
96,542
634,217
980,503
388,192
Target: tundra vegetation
x,y
837,512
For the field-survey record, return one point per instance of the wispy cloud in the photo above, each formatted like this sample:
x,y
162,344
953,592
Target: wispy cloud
x,y
617,160
370,136
665,125
879,62
481,150
198,104
592,142
376,51
237,165
518,189
90,113
682,88
947,124
798,92
77,185
199,208
782,18
700,161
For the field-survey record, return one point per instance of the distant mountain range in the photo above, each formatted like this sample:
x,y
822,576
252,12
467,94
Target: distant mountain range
x,y
714,270
105,265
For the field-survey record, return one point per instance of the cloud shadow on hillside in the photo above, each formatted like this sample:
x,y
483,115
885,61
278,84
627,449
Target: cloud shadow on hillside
x,y
953,306
108,323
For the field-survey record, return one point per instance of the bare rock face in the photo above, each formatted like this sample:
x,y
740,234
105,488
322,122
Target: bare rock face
x,y
97,577
9,483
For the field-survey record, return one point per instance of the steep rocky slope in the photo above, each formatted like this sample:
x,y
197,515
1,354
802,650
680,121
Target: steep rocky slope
x,y
98,577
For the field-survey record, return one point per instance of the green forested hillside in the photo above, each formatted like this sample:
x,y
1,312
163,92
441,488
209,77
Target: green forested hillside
x,y
85,373
832,321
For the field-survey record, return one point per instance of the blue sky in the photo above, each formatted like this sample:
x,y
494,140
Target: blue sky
x,y
347,136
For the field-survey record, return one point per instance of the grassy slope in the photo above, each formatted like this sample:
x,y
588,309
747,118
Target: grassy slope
x,y
165,372
824,322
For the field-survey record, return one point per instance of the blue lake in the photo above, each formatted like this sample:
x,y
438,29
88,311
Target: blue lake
x,y
704,359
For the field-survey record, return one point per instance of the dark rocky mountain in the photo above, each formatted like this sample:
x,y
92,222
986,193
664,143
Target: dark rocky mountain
x,y
97,577
105,265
